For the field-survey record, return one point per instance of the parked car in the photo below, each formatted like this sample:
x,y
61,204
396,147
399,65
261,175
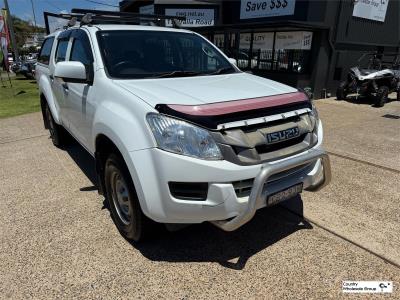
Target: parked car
x,y
377,80
15,66
27,68
178,133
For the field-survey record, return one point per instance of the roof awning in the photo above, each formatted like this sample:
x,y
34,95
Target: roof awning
x,y
266,25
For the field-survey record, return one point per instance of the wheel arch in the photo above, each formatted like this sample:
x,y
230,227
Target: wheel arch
x,y
104,146
46,94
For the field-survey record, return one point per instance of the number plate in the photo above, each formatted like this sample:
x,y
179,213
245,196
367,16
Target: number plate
x,y
285,194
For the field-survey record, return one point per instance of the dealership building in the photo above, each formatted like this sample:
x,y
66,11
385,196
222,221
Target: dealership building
x,y
304,43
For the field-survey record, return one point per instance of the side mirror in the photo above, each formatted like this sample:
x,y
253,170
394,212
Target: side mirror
x,y
71,71
232,61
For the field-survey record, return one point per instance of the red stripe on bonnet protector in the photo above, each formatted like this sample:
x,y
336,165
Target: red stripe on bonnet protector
x,y
222,108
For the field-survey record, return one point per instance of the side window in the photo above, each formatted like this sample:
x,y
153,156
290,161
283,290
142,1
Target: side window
x,y
82,52
61,50
45,51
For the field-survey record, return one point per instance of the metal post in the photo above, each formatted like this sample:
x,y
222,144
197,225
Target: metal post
x,y
34,16
273,52
11,30
251,50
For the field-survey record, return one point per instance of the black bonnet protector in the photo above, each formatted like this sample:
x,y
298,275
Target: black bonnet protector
x,y
211,115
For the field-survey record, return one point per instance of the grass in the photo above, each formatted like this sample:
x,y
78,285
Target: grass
x,y
21,98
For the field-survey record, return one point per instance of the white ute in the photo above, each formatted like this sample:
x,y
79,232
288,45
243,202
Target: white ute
x,y
179,134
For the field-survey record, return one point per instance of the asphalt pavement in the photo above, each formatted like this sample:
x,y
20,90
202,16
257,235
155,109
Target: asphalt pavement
x,y
57,239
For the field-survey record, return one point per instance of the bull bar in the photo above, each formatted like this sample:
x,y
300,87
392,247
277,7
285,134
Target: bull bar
x,y
267,170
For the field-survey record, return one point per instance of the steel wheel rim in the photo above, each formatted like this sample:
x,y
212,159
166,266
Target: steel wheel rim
x,y
120,197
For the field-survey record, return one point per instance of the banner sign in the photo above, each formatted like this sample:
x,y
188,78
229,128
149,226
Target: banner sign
x,y
293,40
261,41
4,39
194,17
266,8
371,9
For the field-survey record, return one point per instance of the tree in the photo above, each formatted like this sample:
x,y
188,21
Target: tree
x,y
23,30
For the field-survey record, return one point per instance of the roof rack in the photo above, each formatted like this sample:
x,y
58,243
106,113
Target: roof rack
x,y
92,17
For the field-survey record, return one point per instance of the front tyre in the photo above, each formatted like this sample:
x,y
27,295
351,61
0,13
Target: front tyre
x,y
123,202
58,134
381,96
341,91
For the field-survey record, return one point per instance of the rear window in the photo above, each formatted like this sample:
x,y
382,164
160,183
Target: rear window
x,y
45,51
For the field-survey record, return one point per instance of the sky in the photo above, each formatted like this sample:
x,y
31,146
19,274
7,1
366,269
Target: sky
x,y
23,8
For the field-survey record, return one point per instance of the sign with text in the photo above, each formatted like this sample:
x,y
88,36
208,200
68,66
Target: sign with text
x,y
194,17
266,8
371,9
368,287
261,41
293,40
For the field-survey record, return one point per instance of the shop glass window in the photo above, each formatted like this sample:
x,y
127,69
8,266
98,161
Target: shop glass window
x,y
219,40
292,51
261,54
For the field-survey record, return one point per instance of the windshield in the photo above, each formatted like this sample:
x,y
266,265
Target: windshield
x,y
151,54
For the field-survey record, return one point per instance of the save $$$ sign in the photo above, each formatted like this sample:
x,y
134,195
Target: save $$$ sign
x,y
266,8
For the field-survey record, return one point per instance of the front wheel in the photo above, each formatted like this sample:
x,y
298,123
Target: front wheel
x,y
58,134
381,96
341,91
123,202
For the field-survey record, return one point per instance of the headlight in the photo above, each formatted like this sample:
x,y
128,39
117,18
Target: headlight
x,y
183,138
314,115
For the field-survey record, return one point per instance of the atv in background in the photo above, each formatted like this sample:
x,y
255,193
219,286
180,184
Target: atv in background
x,y
377,80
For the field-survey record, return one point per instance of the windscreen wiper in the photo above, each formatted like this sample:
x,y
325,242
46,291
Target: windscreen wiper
x,y
177,73
226,70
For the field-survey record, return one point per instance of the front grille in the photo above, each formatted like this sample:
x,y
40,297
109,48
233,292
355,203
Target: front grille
x,y
278,146
248,145
252,128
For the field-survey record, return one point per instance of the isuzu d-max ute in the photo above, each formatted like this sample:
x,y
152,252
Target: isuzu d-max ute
x,y
178,133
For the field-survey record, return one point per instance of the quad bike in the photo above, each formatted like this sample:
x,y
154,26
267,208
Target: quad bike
x,y
378,79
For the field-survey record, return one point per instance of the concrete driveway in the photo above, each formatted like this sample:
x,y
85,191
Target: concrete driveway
x,y
57,238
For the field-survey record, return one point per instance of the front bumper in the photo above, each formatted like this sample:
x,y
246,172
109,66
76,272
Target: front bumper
x,y
260,191
157,168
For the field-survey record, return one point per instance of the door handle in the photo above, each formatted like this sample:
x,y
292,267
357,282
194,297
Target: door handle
x,y
65,87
